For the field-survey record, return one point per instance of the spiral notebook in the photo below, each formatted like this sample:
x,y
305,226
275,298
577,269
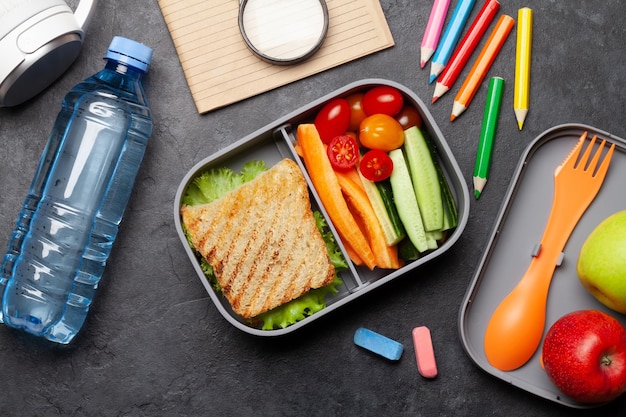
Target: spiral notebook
x,y
221,70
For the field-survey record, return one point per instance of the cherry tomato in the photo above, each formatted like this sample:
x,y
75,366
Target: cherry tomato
x,y
343,152
383,99
376,165
409,117
380,131
332,120
356,110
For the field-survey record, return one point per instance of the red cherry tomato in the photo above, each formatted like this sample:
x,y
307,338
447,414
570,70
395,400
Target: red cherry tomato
x,y
383,99
380,131
332,120
376,165
409,117
356,110
343,152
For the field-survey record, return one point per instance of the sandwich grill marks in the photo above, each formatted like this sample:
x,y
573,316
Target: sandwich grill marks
x,y
262,241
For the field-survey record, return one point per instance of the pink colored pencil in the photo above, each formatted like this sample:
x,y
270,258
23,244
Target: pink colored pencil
x,y
433,30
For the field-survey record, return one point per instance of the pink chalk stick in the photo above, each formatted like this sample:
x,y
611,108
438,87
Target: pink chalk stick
x,y
424,353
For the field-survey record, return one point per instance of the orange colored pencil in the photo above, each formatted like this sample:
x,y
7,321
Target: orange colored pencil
x,y
482,65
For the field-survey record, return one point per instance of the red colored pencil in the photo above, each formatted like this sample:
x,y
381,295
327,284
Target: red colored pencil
x,y
463,52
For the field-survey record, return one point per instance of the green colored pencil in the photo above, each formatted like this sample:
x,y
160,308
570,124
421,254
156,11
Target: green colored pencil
x,y
487,134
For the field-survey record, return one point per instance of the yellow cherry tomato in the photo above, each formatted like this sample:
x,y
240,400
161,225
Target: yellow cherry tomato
x,y
380,131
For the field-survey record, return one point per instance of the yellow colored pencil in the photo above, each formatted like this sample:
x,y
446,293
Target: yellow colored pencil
x,y
522,64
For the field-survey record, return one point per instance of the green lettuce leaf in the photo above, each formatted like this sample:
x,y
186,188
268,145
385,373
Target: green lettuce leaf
x,y
300,308
216,182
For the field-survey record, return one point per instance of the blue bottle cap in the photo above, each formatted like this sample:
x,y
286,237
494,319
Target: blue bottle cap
x,y
132,53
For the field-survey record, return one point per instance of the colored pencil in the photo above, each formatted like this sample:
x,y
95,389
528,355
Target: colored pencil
x,y
433,30
466,47
450,37
522,64
481,66
487,134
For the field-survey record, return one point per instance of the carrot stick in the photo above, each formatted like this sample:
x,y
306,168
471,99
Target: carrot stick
x,y
298,149
394,260
352,254
354,176
327,186
360,203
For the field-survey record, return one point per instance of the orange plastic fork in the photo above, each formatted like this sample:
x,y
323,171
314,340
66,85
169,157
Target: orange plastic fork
x,y
516,326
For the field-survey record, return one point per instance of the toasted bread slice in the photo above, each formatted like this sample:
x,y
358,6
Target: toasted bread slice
x,y
262,241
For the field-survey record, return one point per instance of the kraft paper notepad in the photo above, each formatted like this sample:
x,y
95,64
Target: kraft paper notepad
x,y
221,70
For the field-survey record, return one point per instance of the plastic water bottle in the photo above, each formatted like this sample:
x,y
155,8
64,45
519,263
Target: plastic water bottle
x,y
71,216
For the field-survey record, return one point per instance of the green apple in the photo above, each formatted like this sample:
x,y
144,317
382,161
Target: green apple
x,y
602,262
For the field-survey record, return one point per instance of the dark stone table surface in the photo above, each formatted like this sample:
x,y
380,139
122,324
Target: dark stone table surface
x,y
155,345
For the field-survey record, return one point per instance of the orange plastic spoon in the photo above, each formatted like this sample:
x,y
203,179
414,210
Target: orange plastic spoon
x,y
516,327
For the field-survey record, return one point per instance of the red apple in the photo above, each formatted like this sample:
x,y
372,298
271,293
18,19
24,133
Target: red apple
x,y
584,354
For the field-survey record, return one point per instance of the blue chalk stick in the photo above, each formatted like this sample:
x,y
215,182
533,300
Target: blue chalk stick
x,y
378,344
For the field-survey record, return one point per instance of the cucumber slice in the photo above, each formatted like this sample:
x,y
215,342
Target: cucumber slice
x,y
384,188
435,234
406,202
450,210
381,203
431,241
407,251
425,178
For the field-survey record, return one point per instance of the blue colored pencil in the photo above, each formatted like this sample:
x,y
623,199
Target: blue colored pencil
x,y
450,37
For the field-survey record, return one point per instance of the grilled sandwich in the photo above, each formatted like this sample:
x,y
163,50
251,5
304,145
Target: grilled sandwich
x,y
262,241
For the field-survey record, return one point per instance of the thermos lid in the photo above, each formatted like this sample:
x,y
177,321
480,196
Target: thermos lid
x,y
132,53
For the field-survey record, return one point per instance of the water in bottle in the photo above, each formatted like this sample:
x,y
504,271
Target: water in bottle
x,y
71,215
